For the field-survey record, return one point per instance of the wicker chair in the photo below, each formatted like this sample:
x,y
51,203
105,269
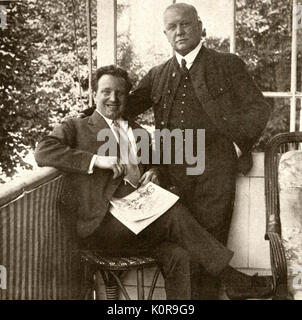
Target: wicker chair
x,y
39,252
112,269
277,146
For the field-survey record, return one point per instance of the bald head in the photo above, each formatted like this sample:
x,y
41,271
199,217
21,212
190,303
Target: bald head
x,y
184,7
183,27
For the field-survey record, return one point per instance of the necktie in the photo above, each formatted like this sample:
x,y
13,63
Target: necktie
x,y
127,155
184,66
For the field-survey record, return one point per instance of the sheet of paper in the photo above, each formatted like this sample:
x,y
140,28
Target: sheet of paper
x,y
143,206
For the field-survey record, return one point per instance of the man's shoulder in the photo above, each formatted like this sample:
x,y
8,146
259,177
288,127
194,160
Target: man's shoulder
x,y
225,60
75,121
135,125
160,67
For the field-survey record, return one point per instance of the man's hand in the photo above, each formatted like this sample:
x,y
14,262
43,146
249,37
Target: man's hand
x,y
150,175
110,163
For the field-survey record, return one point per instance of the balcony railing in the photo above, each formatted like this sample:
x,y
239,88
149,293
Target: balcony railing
x,y
39,251
35,246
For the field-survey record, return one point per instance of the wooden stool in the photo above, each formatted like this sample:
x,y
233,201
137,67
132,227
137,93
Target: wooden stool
x,y
111,269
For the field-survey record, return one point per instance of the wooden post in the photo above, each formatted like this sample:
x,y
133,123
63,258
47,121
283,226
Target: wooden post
x,y
106,32
293,82
88,15
233,34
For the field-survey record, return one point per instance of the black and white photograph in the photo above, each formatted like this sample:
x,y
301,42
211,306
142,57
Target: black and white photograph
x,y
151,150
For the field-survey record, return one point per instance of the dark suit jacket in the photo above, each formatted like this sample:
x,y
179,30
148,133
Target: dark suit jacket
x,y
70,148
235,104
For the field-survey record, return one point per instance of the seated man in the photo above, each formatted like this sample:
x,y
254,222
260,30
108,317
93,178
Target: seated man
x,y
174,239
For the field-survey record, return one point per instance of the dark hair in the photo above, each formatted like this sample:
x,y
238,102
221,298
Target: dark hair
x,y
111,70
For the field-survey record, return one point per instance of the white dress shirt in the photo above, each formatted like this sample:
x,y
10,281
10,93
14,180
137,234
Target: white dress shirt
x,y
125,127
190,57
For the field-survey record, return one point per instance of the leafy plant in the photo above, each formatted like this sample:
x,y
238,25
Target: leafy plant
x,y
41,78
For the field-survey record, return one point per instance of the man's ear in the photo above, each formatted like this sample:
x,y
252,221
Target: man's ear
x,y
165,32
202,31
200,24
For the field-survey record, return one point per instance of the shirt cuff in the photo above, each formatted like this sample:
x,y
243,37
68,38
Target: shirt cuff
x,y
238,151
92,162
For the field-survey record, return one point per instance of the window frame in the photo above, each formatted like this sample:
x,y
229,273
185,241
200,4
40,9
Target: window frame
x,y
107,49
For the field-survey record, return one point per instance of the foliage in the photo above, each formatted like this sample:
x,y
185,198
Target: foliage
x,y
38,75
263,41
263,31
40,78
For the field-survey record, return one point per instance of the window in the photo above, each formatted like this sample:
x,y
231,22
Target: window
x,y
264,33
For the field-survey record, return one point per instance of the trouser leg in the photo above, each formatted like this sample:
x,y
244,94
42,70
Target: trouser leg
x,y
112,238
179,227
175,267
176,226
213,207
210,199
204,285
211,203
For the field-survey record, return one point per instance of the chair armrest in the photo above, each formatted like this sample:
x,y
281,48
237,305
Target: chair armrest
x,y
274,148
279,267
278,145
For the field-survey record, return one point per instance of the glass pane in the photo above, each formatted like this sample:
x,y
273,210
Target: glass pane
x,y
141,42
263,40
216,17
278,122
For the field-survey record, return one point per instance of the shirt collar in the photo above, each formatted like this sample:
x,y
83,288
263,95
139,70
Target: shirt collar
x,y
190,57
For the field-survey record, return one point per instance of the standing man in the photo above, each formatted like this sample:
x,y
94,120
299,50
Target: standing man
x,y
199,88
174,239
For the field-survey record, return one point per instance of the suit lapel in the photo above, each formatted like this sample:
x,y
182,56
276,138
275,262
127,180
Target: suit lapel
x,y
214,75
174,77
96,124
97,121
170,87
208,82
198,77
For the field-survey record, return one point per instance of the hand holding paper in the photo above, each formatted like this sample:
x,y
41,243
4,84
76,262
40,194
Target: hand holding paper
x,y
143,206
